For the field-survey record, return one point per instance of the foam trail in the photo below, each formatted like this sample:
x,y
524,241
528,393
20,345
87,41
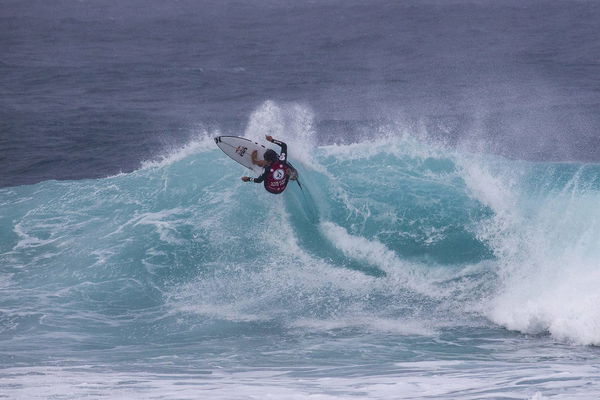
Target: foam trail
x,y
377,254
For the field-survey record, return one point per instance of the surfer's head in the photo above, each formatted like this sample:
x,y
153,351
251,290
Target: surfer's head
x,y
270,156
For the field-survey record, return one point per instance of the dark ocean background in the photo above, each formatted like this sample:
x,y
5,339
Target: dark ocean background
x,y
446,243
91,88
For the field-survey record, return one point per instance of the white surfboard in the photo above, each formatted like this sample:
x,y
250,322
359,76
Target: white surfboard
x,y
240,149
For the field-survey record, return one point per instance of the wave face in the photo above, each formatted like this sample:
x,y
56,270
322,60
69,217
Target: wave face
x,y
390,236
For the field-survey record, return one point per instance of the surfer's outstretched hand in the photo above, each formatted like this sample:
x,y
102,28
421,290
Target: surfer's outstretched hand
x,y
269,138
245,178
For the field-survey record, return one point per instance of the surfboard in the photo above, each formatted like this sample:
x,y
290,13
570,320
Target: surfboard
x,y
240,150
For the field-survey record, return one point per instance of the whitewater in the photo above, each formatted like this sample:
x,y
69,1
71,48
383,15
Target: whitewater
x,y
405,269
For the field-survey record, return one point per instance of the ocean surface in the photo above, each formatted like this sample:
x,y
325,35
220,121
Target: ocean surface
x,y
445,244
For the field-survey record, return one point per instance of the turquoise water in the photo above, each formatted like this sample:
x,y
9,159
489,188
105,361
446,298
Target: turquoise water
x,y
402,270
422,259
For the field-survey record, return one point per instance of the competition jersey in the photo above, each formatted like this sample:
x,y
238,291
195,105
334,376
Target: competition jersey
x,y
276,175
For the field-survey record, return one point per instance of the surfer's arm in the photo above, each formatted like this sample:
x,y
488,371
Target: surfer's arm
x,y
283,155
256,180
256,161
261,177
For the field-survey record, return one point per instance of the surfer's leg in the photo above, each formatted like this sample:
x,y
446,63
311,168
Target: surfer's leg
x,y
293,173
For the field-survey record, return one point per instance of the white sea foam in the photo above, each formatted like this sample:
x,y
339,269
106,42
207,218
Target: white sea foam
x,y
375,253
467,380
548,250
165,222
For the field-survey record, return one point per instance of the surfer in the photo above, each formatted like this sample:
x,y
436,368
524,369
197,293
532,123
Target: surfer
x,y
276,172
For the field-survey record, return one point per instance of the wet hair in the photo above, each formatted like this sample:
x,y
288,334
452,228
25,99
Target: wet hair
x,y
270,155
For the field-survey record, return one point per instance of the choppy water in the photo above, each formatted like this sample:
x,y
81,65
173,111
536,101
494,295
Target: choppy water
x,y
433,253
